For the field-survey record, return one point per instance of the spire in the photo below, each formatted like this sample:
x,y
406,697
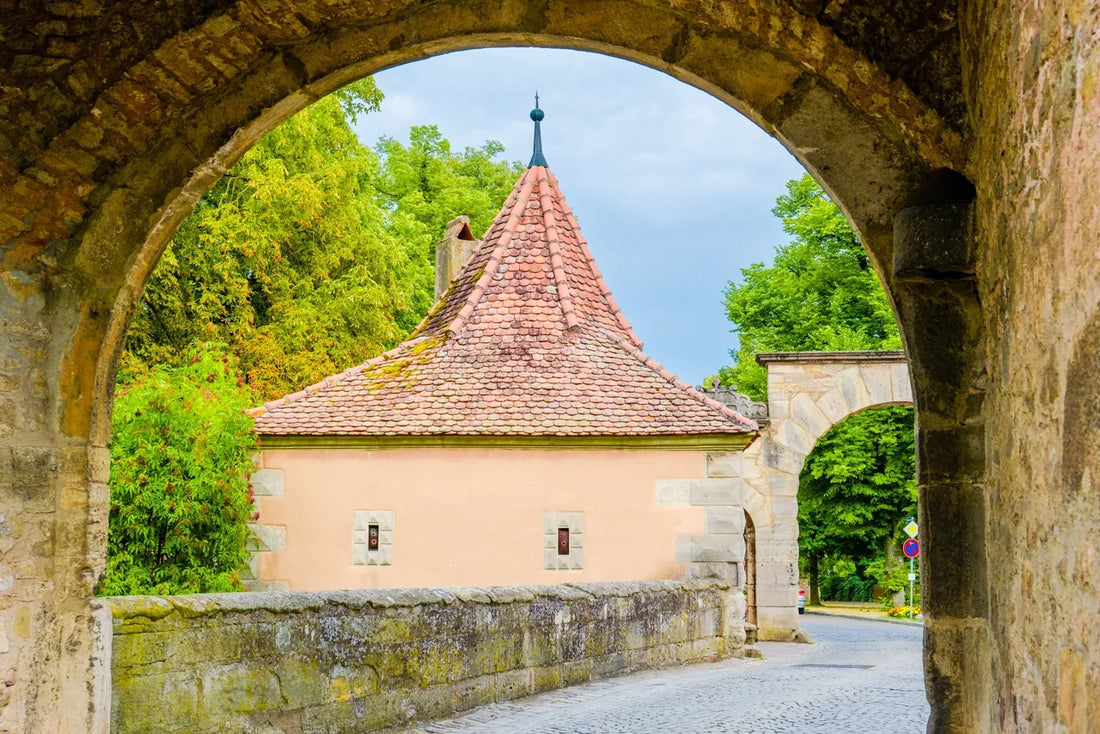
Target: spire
x,y
537,158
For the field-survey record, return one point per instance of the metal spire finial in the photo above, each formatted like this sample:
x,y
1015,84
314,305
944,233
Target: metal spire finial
x,y
537,158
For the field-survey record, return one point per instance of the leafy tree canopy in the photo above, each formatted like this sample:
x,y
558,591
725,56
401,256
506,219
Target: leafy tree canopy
x,y
314,252
820,293
181,449
858,484
424,185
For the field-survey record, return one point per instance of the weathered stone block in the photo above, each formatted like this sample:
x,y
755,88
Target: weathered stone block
x,y
785,507
725,520
269,537
239,689
956,454
880,387
806,413
775,455
932,241
267,482
725,464
900,383
709,492
851,384
834,405
782,484
724,548
953,571
776,595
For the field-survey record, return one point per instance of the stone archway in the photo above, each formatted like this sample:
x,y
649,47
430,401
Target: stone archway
x,y
115,119
808,393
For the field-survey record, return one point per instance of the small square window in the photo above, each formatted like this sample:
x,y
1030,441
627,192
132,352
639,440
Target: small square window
x,y
563,541
372,538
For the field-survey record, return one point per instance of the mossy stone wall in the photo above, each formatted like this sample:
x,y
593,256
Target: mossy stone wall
x,y
363,660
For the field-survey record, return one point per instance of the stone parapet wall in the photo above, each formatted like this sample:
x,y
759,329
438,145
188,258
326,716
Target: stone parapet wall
x,y
363,660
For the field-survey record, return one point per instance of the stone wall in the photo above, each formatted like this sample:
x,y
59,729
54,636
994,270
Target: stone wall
x,y
368,659
1033,81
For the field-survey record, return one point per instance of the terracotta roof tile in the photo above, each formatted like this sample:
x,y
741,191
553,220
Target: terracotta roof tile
x,y
527,340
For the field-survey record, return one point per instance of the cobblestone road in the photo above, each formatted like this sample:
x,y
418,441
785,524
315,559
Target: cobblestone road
x,y
859,676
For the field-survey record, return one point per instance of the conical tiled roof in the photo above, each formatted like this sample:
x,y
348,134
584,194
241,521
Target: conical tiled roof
x,y
527,341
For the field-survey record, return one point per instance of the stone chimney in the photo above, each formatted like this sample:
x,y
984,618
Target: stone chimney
x,y
452,252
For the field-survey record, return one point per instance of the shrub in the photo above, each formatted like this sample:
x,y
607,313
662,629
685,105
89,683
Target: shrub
x,y
181,450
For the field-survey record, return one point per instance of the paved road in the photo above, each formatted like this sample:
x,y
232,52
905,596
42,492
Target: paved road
x,y
859,676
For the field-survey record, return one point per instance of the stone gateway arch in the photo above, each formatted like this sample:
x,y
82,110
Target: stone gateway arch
x,y
960,137
808,393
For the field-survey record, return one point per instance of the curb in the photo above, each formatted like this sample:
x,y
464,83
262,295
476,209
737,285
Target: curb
x,y
906,622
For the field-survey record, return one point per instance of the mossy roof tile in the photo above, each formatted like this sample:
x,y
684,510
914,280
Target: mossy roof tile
x,y
526,341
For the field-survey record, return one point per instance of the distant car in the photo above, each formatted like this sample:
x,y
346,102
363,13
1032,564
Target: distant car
x,y
801,601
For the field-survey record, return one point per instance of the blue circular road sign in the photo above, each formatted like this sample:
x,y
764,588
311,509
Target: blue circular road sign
x,y
911,548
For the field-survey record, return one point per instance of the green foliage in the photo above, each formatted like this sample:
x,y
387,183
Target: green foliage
x,y
313,254
858,485
286,259
856,490
847,588
820,294
424,185
181,450
889,573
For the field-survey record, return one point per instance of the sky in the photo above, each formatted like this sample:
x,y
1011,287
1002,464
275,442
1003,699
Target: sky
x,y
673,189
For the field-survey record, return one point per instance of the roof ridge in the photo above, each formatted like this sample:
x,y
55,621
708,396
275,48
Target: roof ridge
x,y
605,291
654,365
554,245
505,238
336,379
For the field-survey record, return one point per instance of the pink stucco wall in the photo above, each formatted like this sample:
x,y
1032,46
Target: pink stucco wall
x,y
473,517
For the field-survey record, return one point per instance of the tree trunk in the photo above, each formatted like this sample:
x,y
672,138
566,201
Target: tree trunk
x,y
815,592
898,598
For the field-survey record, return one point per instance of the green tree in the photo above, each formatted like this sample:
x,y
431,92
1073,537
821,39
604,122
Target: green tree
x,y
313,253
424,185
820,293
856,489
181,449
286,259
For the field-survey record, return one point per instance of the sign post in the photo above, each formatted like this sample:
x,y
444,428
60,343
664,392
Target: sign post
x,y
911,549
